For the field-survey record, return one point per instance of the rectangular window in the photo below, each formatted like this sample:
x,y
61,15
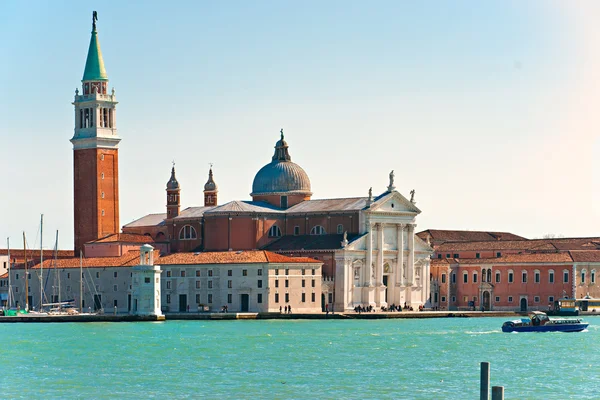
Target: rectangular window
x,y
593,277
229,284
197,272
97,275
296,230
582,277
551,277
511,277
115,274
168,284
524,278
465,278
198,285
209,298
182,273
497,299
536,299
536,277
210,284
465,298
168,274
303,271
456,255
276,297
114,303
197,298
453,277
443,299
498,277
276,271
550,299
303,283
454,299
287,271
259,272
566,276
477,255
439,256
287,297
259,283
313,283
168,299
244,272
475,277
276,283
283,201
68,275
229,298
210,272
287,283
68,288
443,278
313,272
115,288
510,299
147,279
304,297
259,298
448,255
498,254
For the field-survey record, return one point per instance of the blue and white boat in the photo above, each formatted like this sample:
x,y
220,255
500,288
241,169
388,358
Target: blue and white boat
x,y
539,322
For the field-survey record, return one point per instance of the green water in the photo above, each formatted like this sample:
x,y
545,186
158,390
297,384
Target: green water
x,y
406,359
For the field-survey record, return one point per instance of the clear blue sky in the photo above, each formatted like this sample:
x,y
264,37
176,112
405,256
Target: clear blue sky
x,y
487,109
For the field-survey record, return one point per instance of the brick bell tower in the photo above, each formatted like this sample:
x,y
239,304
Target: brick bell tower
x,y
95,152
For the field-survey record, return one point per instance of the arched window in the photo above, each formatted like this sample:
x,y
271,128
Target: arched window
x,y
511,276
497,276
536,276
583,271
340,229
474,277
593,276
274,231
317,230
483,275
551,276
188,232
565,276
465,277
489,276
524,276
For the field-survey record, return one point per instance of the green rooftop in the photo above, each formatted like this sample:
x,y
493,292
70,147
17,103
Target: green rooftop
x,y
94,65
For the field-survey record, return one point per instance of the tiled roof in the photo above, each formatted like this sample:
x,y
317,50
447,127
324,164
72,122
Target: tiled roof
x,y
148,220
329,205
308,242
33,253
231,257
439,235
561,244
560,257
193,212
128,259
4,275
124,238
442,261
585,255
246,206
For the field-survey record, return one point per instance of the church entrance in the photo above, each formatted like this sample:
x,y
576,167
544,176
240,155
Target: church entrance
x,y
385,283
486,301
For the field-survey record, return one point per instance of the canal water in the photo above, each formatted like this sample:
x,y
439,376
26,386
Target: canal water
x,y
361,359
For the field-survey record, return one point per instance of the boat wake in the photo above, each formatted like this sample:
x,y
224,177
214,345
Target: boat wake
x,y
483,333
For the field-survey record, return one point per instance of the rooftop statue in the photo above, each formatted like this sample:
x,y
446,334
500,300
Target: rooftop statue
x,y
412,196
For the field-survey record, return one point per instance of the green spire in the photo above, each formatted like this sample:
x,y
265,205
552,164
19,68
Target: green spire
x,y
94,65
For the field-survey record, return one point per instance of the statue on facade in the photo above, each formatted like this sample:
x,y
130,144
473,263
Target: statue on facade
x,y
370,194
412,196
391,187
345,239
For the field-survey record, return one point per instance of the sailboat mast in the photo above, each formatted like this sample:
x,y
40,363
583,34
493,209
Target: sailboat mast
x,y
26,277
80,281
41,261
9,271
55,262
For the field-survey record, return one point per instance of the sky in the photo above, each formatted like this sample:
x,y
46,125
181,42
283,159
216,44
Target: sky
x,y
488,110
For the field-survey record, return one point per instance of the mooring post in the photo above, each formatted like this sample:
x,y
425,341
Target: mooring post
x,y
484,393
497,392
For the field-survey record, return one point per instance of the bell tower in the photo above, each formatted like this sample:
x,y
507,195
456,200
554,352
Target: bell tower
x,y
210,190
95,152
173,195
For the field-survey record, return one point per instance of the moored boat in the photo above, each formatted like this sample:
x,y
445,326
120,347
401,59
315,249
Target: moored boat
x,y
539,322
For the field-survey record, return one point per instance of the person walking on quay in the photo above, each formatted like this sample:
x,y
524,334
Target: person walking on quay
x,y
279,309
289,309
326,309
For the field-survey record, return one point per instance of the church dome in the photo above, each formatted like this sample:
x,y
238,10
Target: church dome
x,y
173,184
210,185
281,175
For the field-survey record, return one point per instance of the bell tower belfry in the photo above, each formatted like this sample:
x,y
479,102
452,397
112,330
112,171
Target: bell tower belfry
x,y
95,152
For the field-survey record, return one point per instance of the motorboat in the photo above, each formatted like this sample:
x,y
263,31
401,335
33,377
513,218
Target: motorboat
x,y
538,321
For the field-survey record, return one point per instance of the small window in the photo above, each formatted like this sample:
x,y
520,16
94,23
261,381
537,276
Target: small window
x,y
102,175
97,275
536,299
497,276
102,194
536,276
510,299
229,298
524,277
443,299
583,276
259,298
313,283
497,299
197,272
453,277
229,284
511,277
448,255
209,300
115,274
454,299
565,276
287,271
210,272
303,283
439,256
244,272
313,271
340,229
317,230
198,298
115,303
287,283
443,278
168,299
276,271
182,273
304,297
456,255
593,276
465,298
477,255
68,275
283,201
276,297
287,297
274,231
303,271
498,254
474,277
296,230
551,276
550,299
198,285
276,283
210,285
465,277
259,272
312,297
168,274
259,283
116,287
168,284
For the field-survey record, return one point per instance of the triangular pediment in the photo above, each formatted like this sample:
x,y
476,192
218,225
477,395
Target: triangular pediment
x,y
421,245
393,202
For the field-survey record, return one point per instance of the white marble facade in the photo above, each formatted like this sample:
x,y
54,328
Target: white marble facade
x,y
370,270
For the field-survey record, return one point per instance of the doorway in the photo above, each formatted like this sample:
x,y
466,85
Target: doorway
x,y
323,302
385,283
129,302
182,302
486,301
245,301
524,304
97,302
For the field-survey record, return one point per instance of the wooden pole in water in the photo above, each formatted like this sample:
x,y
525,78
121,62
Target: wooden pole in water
x,y
484,392
497,392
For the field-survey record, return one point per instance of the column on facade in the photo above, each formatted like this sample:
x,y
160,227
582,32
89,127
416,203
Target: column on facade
x,y
341,290
379,254
400,262
411,254
367,269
